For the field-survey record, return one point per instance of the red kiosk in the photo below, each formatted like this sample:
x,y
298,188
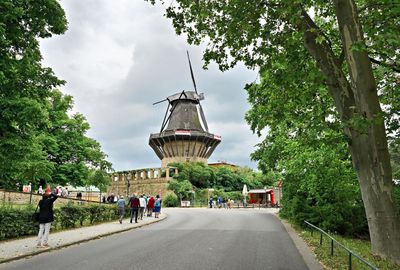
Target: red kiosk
x,y
263,196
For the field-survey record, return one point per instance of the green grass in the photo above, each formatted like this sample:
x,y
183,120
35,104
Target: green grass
x,y
340,258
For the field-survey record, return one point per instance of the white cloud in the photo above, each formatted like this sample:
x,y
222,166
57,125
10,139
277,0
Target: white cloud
x,y
118,57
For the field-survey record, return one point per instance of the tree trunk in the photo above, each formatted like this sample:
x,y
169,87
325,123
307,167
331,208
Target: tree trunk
x,y
368,145
359,109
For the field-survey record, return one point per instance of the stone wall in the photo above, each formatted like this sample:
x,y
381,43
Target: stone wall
x,y
148,186
150,181
14,197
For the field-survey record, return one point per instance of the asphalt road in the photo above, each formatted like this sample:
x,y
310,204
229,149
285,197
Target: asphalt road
x,y
187,239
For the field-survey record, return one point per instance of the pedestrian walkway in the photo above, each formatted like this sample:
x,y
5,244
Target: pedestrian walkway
x,y
20,248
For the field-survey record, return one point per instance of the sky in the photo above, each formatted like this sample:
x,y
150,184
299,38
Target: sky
x,y
119,57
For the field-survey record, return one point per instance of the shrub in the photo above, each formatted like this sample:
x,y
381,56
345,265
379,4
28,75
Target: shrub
x,y
17,222
69,215
171,200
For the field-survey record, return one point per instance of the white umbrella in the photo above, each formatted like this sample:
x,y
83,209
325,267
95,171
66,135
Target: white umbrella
x,y
245,191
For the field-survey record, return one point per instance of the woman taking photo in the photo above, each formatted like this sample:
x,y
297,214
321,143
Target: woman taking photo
x,y
46,217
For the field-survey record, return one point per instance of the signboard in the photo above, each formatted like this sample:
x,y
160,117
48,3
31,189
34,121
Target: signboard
x,y
217,137
26,188
182,132
185,203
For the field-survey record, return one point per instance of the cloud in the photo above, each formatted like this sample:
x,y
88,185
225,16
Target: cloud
x,y
119,57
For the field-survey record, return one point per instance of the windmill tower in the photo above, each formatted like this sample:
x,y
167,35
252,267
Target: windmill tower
x,y
184,135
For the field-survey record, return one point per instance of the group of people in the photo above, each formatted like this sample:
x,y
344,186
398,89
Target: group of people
x,y
221,203
59,191
139,206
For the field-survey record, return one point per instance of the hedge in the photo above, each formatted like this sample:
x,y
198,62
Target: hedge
x,y
16,222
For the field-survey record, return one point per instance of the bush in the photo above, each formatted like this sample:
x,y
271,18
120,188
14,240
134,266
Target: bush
x,y
69,215
396,195
16,222
171,200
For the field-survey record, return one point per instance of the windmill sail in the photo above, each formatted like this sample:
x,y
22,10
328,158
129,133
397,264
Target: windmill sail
x,y
184,134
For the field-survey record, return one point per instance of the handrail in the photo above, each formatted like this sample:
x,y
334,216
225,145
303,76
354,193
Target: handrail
x,y
351,253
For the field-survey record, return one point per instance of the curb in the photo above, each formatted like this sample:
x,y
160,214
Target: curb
x,y
306,253
78,242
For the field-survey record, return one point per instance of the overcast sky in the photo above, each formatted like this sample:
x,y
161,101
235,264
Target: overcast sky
x,y
118,57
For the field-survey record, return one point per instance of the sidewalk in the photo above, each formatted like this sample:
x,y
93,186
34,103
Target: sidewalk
x,y
17,249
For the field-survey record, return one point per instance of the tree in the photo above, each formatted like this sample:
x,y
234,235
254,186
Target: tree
x,y
72,153
100,179
182,188
38,138
342,38
24,84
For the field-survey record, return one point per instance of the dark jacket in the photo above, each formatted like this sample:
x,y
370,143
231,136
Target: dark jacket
x,y
46,209
134,202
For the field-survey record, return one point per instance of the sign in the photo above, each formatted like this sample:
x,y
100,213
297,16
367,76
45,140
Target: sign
x,y
183,132
217,137
26,188
185,203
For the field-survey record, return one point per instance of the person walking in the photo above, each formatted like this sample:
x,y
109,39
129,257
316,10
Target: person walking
x,y
134,203
146,199
121,208
157,206
40,191
150,206
46,217
142,205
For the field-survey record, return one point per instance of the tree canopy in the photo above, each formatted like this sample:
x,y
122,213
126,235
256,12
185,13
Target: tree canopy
x,y
38,137
202,176
343,53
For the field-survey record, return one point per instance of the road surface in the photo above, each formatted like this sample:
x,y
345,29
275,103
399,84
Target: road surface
x,y
188,239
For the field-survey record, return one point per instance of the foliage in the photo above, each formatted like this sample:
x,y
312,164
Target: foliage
x,y
100,179
69,215
340,258
203,176
182,188
17,222
319,183
394,150
396,195
303,50
77,159
39,138
25,85
170,200
198,173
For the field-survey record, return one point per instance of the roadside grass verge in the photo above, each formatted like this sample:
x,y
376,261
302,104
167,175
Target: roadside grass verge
x,y
340,258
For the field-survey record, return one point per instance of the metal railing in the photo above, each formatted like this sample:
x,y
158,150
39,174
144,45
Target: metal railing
x,y
350,252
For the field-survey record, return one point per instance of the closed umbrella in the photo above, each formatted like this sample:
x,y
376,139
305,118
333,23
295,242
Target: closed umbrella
x,y
244,192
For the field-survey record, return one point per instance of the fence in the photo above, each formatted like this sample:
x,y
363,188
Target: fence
x,y
22,198
350,252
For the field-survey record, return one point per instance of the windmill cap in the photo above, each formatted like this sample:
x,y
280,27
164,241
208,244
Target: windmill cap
x,y
188,95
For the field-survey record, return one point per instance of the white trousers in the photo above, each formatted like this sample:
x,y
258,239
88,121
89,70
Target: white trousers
x,y
44,230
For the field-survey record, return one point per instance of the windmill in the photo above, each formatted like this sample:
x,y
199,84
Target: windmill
x,y
184,134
